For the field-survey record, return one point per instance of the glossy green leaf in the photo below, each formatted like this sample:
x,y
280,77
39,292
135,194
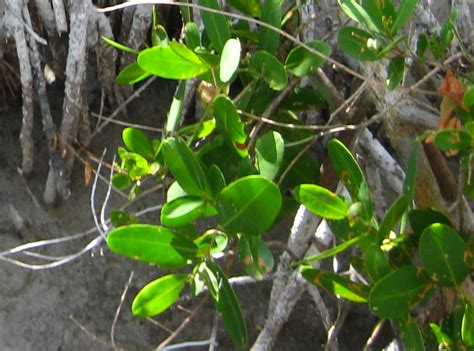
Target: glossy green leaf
x,y
266,66
229,308
255,256
186,53
165,62
301,62
152,244
350,173
410,335
442,252
121,181
452,140
249,205
158,295
215,24
186,167
269,39
212,241
182,211
337,285
159,35
229,124
249,7
136,141
376,262
230,59
209,279
467,329
403,14
119,46
131,74
374,9
321,201
392,217
192,35
269,150
217,179
396,68
468,98
422,218
358,13
394,294
174,192
441,337
358,43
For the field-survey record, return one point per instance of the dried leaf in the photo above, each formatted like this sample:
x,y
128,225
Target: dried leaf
x,y
87,173
453,88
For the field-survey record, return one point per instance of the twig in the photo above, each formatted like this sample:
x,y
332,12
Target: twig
x,y
92,198
126,124
159,324
119,307
106,200
90,334
183,324
212,339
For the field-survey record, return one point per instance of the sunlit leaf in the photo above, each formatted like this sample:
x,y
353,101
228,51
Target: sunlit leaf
x,y
136,141
321,201
358,13
131,74
192,35
269,150
215,24
467,329
158,295
336,284
118,45
121,181
182,211
152,244
249,205
230,59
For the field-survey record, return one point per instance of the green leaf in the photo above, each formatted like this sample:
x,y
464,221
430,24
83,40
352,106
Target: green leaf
x,y
192,35
336,284
131,74
165,62
301,62
249,205
229,124
230,59
468,98
159,35
374,11
255,256
321,201
121,181
392,217
376,262
269,39
269,150
442,252
158,295
441,337
229,308
467,329
212,241
175,113
422,218
410,335
395,71
452,140
186,167
394,294
120,218
350,174
118,45
209,279
358,43
136,141
174,192
183,51
217,179
403,14
215,24
182,211
249,7
152,244
357,13
266,66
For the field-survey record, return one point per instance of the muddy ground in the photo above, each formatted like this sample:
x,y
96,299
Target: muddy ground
x,y
72,307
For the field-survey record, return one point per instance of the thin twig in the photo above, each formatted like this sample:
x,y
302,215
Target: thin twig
x,y
90,334
126,124
92,198
106,200
119,307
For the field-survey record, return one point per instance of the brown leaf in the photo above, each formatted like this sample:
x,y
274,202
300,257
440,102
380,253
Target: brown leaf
x,y
87,173
453,88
